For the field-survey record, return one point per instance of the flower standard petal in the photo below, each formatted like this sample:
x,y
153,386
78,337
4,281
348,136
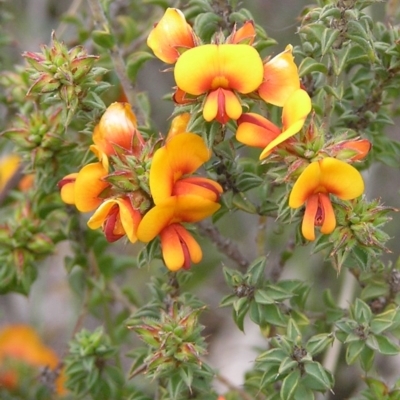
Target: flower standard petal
x,y
340,178
255,130
89,185
294,114
229,66
281,78
170,34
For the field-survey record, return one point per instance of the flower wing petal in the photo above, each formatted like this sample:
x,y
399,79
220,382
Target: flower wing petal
x,y
255,130
89,185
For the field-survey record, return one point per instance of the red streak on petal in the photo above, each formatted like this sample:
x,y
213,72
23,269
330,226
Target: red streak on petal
x,y
222,116
186,253
65,181
109,224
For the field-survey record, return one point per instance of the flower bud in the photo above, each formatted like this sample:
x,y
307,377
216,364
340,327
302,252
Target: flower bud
x,y
117,129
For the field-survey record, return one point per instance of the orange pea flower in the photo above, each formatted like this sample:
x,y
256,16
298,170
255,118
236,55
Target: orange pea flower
x,y
179,198
257,131
178,247
281,78
182,155
21,344
218,71
171,36
117,129
118,218
313,187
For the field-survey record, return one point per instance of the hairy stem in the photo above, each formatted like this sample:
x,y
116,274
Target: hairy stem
x,y
224,245
102,23
346,295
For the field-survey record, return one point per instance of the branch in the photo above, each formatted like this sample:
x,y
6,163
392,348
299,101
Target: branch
x,y
102,23
224,245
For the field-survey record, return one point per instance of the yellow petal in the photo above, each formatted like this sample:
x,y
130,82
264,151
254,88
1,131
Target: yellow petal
x,y
169,35
229,66
89,185
255,130
130,218
294,114
246,34
181,155
281,78
307,184
340,179
100,215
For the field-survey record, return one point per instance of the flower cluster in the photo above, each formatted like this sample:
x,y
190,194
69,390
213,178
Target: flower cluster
x,y
140,192
224,75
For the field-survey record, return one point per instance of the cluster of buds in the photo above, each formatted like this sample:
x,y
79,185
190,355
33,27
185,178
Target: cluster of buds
x,y
23,240
59,68
39,137
175,339
141,192
67,73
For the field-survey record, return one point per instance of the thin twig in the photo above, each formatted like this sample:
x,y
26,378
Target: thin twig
x,y
119,296
226,246
102,23
72,10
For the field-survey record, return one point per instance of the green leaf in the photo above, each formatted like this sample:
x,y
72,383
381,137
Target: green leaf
x,y
309,65
327,40
362,312
273,356
272,314
353,351
319,374
286,365
318,343
293,331
261,297
103,39
383,321
206,24
366,358
135,62
256,271
289,385
386,346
